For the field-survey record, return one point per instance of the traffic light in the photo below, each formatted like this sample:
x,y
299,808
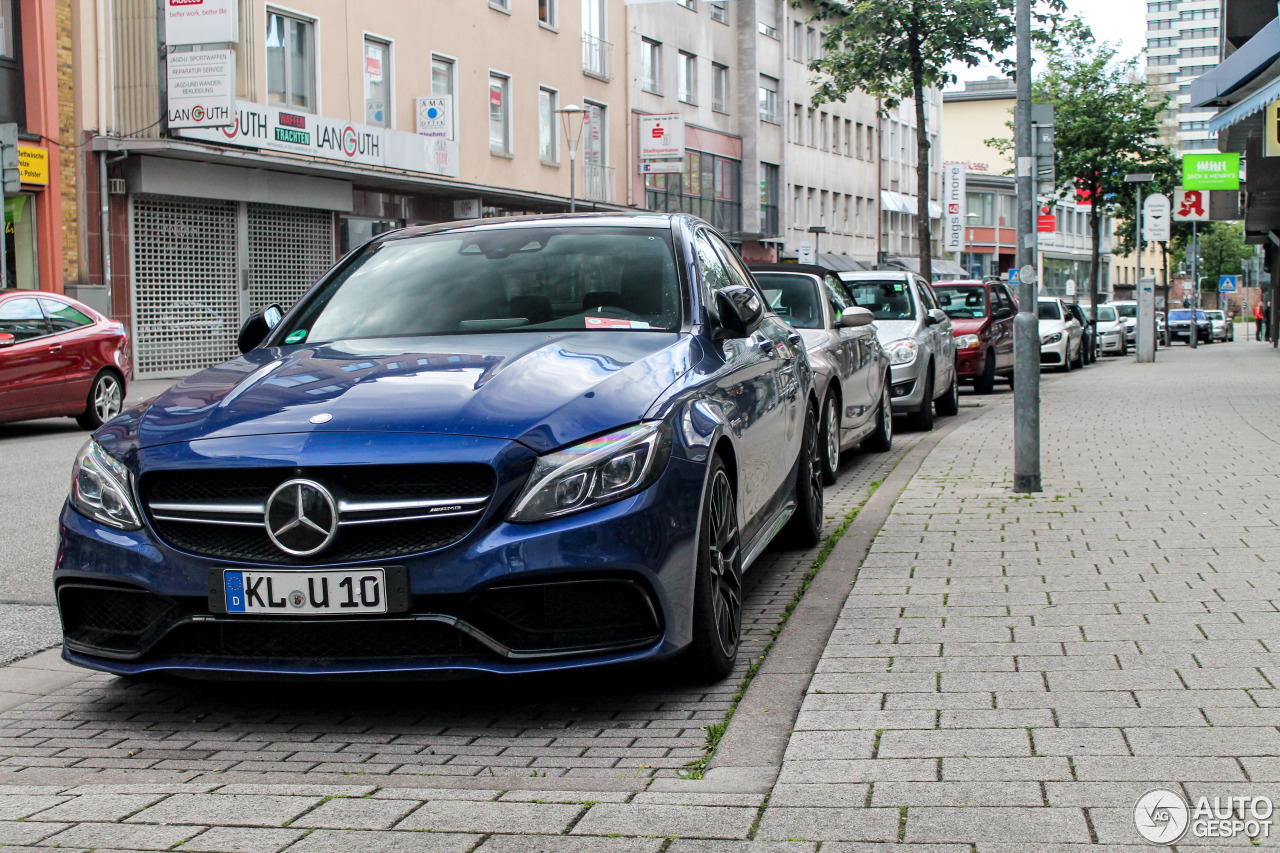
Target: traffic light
x,y
9,158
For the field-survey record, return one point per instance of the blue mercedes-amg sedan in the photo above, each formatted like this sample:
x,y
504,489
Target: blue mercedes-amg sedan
x,y
491,446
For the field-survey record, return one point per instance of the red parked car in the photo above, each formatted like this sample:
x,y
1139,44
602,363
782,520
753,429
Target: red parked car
x,y
981,315
59,357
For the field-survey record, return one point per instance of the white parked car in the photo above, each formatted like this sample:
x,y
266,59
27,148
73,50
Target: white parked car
x,y
1223,328
1061,337
1128,311
1111,339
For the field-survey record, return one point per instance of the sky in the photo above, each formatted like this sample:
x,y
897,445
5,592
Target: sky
x,y
1123,21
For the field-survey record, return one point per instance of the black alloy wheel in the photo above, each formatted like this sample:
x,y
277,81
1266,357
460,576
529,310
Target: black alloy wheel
x,y
717,602
830,440
804,530
881,440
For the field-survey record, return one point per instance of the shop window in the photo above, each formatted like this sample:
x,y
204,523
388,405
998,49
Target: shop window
x,y
20,242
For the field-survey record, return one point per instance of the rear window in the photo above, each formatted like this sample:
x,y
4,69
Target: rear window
x,y
1127,311
536,279
965,302
1050,311
1106,314
886,299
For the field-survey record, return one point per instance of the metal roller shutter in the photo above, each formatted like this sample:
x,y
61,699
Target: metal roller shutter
x,y
289,248
186,308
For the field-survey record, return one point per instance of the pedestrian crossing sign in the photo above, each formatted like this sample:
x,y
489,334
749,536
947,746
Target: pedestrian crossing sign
x,y
1227,283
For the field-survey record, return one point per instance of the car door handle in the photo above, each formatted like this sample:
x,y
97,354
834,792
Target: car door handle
x,y
794,339
767,346
56,348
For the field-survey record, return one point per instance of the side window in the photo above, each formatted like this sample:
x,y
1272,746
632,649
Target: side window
x,y
22,319
714,275
738,274
836,294
62,317
926,295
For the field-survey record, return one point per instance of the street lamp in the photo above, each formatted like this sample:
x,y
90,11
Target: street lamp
x,y
573,117
972,215
817,231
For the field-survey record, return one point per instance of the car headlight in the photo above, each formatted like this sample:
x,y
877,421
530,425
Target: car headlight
x,y
903,351
596,472
1051,339
967,342
100,488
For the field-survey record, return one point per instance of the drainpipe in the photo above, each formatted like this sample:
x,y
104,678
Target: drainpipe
x,y
103,197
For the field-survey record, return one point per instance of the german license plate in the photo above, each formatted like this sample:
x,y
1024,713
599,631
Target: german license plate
x,y
305,593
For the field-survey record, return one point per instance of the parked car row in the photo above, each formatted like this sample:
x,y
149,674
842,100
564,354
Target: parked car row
x,y
494,446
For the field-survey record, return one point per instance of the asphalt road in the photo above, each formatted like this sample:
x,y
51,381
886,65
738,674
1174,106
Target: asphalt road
x,y
36,472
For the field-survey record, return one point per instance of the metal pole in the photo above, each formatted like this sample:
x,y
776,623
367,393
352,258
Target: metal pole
x,y
1195,281
573,187
1026,395
1137,236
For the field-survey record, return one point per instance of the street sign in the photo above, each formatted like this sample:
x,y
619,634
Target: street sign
x,y
806,252
1155,218
9,160
1071,287
1211,171
1013,276
1227,283
1027,273
1190,205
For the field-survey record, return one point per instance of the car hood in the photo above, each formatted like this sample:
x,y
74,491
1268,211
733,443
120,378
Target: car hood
x,y
544,390
968,325
894,330
1048,327
1112,326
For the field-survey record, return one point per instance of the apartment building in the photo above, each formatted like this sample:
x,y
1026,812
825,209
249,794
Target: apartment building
x,y
783,178
217,207
982,111
1182,44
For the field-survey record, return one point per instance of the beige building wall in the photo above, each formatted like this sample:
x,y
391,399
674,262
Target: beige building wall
x,y
969,124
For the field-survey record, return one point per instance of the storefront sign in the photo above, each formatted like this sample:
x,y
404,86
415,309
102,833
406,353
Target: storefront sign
x,y
1271,130
1211,171
1190,205
953,206
278,129
466,208
201,86
435,115
662,167
661,136
200,21
33,163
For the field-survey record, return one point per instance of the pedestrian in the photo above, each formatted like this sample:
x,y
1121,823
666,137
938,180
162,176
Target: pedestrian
x,y
1257,316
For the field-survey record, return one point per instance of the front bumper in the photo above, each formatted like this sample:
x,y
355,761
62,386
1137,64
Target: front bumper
x,y
1055,354
970,363
1111,342
906,386
605,586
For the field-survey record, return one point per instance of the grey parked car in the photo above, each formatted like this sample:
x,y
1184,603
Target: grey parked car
x,y
918,338
851,369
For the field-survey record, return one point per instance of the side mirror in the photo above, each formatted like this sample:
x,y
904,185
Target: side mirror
x,y
853,316
258,326
935,316
1002,314
7,340
740,309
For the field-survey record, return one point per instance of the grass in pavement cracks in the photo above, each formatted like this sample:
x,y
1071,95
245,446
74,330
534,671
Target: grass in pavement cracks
x,y
715,731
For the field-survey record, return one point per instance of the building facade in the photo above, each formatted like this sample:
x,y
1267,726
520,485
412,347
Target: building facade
x,y
321,148
982,111
1182,44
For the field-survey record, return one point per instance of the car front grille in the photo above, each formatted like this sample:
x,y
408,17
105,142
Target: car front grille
x,y
383,511
551,618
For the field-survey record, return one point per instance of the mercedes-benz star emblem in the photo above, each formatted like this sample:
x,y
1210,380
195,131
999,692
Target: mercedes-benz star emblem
x,y
301,517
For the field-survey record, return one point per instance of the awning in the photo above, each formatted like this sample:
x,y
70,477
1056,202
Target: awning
x,y
840,263
1251,60
894,202
1259,100
942,266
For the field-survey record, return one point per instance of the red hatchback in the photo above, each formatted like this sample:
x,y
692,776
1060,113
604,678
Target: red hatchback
x,y
981,315
59,357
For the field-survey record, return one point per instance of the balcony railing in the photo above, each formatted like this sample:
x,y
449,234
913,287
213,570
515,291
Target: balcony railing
x,y
597,57
597,182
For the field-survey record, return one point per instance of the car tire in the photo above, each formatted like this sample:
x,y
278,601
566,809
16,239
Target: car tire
x,y
804,530
881,440
1065,367
1124,347
105,400
717,590
1080,356
922,419
829,440
986,383
1011,372
949,403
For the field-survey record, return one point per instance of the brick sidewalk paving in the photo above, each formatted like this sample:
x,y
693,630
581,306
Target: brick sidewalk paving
x,y
1007,674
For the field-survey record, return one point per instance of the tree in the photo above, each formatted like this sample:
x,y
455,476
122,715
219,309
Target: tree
x,y
1222,248
896,49
1106,125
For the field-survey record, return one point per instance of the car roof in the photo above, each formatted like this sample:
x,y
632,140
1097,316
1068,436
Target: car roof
x,y
547,220
875,275
809,269
965,282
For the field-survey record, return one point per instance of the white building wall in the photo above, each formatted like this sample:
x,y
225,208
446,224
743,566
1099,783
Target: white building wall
x,y
1183,42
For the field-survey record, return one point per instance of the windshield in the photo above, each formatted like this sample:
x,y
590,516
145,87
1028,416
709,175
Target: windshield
x,y
1106,314
1184,315
497,280
1215,315
969,302
794,297
1127,311
887,299
1050,311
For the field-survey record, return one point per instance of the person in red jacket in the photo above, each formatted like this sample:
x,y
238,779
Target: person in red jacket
x,y
1257,316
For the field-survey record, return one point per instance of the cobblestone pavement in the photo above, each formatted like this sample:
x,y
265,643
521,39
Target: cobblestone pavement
x,y
1008,673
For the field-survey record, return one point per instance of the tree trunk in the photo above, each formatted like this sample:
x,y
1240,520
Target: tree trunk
x,y
922,160
1095,220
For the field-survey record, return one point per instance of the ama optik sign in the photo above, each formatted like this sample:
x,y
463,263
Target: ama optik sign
x,y
953,206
